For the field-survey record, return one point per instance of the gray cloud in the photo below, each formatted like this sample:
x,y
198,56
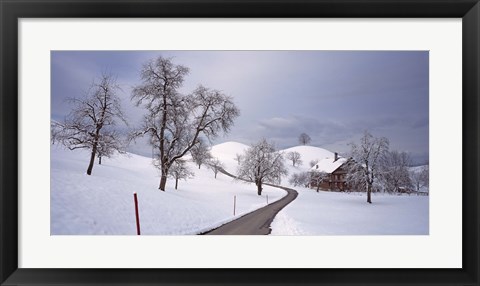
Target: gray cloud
x,y
331,95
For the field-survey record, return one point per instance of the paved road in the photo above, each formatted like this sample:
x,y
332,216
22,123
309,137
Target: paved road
x,y
257,222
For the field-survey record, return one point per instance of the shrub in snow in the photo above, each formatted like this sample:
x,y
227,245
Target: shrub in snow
x,y
420,178
300,179
394,174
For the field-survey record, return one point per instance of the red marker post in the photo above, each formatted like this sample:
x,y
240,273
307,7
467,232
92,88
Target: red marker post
x,y
136,213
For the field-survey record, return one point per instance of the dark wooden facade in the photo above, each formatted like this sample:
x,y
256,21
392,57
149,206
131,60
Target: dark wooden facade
x,y
335,181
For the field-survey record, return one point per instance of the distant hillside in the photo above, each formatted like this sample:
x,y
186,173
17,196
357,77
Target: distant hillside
x,y
226,152
309,153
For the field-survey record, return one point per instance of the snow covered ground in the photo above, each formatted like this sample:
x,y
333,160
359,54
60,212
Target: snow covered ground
x,y
103,202
333,213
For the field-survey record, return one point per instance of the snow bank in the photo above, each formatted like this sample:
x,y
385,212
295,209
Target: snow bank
x,y
103,202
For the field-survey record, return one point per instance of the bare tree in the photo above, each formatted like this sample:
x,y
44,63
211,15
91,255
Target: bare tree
x,y
304,139
174,122
295,158
238,158
313,163
394,174
317,177
109,144
366,165
92,121
420,178
180,171
215,165
262,163
56,129
300,179
200,153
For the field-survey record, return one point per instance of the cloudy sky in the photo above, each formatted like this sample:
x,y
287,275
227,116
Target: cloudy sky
x,y
331,95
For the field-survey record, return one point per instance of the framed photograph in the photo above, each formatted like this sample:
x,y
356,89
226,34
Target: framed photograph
x,y
222,142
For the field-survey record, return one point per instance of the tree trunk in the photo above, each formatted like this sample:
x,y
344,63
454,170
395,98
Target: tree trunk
x,y
259,188
369,194
216,174
99,160
92,159
163,182
318,187
199,166
176,183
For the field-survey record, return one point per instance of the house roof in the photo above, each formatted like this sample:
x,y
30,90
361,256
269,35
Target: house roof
x,y
327,165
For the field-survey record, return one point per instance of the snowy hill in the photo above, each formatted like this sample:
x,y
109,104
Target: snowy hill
x,y
417,169
226,153
309,153
103,202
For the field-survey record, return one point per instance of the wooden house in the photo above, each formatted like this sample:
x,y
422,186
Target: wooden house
x,y
333,174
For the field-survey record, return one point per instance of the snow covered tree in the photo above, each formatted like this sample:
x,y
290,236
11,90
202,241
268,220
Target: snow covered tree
x,y
55,131
174,121
262,163
304,139
180,171
200,153
215,165
109,144
394,171
93,118
355,178
295,158
317,177
366,165
420,178
300,179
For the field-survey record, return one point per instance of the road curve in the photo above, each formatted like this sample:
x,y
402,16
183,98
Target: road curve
x,y
257,222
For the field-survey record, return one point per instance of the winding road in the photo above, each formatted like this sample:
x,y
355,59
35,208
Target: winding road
x,y
257,222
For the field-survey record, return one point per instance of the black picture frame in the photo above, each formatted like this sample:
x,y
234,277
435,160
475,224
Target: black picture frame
x,y
11,11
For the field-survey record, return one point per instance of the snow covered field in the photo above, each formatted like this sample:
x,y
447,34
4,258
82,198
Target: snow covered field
x,y
333,213
103,202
